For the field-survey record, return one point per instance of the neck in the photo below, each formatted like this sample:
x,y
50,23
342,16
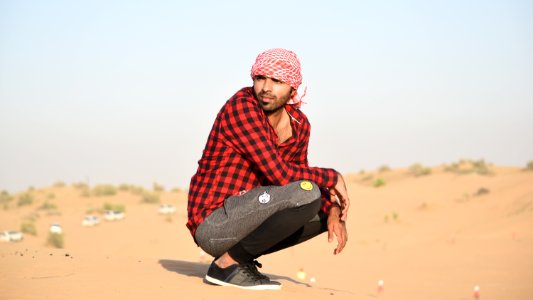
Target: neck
x,y
276,116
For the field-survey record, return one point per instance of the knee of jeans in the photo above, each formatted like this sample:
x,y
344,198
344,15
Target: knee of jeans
x,y
313,193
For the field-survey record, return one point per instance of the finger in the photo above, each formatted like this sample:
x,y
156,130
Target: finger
x,y
341,240
330,234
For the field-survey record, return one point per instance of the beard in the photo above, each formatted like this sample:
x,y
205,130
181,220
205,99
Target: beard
x,y
271,103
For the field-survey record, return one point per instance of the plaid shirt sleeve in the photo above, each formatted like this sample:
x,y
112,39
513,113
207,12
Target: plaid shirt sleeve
x,y
301,159
246,127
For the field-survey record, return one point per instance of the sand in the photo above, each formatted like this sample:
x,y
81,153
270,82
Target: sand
x,y
426,237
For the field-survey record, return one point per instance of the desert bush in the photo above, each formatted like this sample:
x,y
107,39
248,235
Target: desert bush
x,y
419,170
452,168
5,197
383,169
51,196
137,190
529,166
469,166
103,190
56,240
83,188
59,184
114,207
480,167
148,197
25,199
80,185
379,182
176,190
157,187
48,206
28,227
124,187
482,191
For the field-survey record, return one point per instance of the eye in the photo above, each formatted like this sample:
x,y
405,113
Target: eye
x,y
277,80
260,77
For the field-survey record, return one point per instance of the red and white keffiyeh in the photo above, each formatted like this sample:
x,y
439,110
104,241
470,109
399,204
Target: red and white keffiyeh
x,y
283,65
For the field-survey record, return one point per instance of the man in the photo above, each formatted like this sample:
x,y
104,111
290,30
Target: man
x,y
254,192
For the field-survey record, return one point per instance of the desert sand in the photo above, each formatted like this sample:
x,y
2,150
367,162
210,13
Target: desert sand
x,y
435,236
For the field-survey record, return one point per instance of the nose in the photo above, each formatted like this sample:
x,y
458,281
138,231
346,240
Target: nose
x,y
267,85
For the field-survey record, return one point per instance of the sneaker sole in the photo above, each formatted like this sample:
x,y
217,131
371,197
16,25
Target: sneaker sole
x,y
261,287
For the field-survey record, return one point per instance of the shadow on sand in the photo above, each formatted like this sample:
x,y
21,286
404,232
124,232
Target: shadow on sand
x,y
197,269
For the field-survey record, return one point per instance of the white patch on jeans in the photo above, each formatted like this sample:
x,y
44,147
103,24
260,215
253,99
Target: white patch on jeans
x,y
264,198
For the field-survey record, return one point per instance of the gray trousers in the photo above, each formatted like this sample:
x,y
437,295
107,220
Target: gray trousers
x,y
242,214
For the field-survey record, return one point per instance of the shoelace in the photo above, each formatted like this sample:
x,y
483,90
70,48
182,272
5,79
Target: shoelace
x,y
252,267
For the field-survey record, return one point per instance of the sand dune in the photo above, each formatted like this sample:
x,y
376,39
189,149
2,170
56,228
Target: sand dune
x,y
428,237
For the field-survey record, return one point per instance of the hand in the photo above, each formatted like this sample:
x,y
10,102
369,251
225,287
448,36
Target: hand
x,y
339,192
337,228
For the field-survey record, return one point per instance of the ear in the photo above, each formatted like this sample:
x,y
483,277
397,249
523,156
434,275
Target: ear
x,y
293,92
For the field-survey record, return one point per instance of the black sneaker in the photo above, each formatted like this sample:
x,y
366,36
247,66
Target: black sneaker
x,y
244,276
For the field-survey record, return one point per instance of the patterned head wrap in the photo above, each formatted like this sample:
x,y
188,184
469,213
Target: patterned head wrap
x,y
280,64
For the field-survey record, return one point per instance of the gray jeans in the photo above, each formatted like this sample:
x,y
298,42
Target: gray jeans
x,y
242,214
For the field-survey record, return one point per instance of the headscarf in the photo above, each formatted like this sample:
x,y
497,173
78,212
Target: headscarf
x,y
282,65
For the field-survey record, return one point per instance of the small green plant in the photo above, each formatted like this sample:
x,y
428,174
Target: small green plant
x,y
28,227
48,206
151,198
104,190
114,207
56,240
394,216
25,199
419,170
379,182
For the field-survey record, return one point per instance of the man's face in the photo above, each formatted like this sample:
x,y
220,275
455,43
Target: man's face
x,y
272,93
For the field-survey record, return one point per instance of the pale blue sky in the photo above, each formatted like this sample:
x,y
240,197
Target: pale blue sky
x,y
127,91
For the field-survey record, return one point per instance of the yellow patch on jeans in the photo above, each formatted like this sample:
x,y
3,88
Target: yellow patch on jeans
x,y
306,185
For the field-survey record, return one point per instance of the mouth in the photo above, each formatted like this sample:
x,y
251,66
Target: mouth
x,y
267,98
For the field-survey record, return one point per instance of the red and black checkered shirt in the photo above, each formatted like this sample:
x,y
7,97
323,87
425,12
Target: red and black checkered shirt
x,y
242,153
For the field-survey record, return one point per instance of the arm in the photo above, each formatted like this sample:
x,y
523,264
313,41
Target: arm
x,y
245,127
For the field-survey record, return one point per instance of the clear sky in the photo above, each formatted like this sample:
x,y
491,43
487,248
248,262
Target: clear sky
x,y
127,91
